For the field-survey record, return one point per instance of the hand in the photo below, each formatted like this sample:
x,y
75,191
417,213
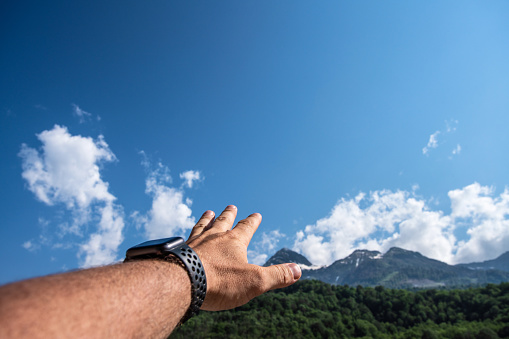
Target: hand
x,y
231,280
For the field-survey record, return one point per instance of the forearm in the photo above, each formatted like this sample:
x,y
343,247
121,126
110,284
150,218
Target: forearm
x,y
136,299
146,298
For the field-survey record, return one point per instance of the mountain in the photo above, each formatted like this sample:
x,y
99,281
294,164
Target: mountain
x,y
398,268
500,263
286,255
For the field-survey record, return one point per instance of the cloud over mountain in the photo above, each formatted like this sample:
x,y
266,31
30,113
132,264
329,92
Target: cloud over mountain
x,y
384,219
257,250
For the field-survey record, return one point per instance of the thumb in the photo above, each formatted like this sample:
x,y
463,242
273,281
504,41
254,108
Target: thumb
x,y
279,276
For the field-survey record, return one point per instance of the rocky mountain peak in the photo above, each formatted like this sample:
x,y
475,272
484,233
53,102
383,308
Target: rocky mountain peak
x,y
397,268
358,256
286,255
396,251
364,254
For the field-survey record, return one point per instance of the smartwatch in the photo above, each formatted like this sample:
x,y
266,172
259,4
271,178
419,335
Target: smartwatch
x,y
175,250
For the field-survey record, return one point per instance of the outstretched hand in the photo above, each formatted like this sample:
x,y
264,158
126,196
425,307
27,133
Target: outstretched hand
x,y
231,280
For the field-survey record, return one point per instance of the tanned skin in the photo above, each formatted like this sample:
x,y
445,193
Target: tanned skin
x,y
146,298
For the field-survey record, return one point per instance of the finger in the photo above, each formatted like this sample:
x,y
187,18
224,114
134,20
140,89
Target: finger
x,y
225,220
245,229
206,219
279,276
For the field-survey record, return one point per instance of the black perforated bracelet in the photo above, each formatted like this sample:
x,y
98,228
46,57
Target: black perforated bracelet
x,y
176,251
196,273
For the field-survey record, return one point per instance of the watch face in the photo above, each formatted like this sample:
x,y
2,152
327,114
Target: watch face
x,y
155,247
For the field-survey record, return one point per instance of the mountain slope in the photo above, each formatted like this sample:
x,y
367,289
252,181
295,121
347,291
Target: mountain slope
x,y
500,263
286,255
398,268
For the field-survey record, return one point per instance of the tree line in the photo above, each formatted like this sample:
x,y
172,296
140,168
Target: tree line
x,y
313,309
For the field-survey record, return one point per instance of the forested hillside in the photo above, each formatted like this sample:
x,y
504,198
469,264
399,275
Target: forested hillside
x,y
314,309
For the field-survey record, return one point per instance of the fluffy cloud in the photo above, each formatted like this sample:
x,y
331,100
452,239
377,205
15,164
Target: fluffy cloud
x,y
258,253
103,245
66,171
486,220
384,219
270,241
170,213
256,258
190,177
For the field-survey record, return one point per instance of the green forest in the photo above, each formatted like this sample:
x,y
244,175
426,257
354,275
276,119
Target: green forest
x,y
313,309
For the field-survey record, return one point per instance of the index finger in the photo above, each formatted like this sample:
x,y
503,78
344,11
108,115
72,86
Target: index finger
x,y
246,228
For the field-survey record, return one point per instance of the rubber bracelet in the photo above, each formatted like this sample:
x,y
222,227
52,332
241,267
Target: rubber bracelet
x,y
197,275
186,257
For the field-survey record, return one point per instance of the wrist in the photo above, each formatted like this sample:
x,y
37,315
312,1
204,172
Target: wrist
x,y
176,251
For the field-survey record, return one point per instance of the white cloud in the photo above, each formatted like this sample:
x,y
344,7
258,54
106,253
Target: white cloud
x,y
190,177
270,241
385,219
67,171
456,150
257,258
487,221
43,222
450,128
451,125
258,254
30,246
170,213
102,246
80,113
432,143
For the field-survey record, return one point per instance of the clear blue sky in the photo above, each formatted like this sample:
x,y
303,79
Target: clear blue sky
x,y
288,108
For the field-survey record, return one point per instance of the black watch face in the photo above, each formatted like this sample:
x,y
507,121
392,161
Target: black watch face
x,y
153,247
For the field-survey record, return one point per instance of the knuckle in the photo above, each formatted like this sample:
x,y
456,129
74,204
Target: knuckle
x,y
221,218
285,276
230,235
245,222
236,241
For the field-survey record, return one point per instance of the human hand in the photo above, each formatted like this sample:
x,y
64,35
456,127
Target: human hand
x,y
231,280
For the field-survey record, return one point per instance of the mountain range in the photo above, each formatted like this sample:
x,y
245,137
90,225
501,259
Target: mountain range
x,y
397,268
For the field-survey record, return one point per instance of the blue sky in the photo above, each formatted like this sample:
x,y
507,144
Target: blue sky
x,y
345,124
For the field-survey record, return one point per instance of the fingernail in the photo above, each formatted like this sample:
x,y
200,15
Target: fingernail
x,y
297,273
231,207
208,213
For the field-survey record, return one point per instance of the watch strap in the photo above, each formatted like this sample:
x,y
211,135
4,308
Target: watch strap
x,y
185,257
194,266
